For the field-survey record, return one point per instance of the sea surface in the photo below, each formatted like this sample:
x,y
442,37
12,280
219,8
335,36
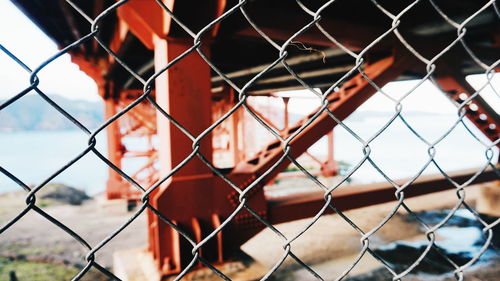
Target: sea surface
x,y
33,156
399,153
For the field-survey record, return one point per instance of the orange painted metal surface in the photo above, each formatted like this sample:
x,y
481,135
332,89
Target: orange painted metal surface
x,y
195,198
307,204
146,20
203,196
477,110
138,126
184,92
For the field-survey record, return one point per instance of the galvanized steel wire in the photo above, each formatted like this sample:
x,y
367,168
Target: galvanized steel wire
x,y
281,55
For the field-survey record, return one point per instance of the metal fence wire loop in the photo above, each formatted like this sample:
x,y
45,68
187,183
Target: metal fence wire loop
x,y
373,59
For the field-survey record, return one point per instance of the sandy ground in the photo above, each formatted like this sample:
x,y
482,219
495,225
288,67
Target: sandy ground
x,y
329,246
35,237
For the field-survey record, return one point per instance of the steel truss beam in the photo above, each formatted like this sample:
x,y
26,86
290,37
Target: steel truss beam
x,y
477,110
206,199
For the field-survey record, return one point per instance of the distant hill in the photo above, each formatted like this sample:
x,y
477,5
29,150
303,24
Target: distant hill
x,y
31,112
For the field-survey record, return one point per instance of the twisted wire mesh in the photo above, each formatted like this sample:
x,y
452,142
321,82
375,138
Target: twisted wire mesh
x,y
242,94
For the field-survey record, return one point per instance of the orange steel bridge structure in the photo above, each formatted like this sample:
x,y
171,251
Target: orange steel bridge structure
x,y
146,38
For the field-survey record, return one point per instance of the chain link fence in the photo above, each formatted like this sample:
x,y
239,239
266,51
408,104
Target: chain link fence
x,y
357,57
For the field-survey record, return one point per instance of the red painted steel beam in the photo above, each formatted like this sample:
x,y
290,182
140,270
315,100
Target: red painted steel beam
x,y
139,122
342,103
114,185
351,95
304,205
146,20
329,168
184,92
194,197
95,68
478,111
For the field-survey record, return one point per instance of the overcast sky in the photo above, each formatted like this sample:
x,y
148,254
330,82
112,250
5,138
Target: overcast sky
x,y
23,38
32,46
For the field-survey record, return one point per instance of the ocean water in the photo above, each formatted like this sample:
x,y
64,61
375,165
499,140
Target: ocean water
x,y
401,154
36,155
33,156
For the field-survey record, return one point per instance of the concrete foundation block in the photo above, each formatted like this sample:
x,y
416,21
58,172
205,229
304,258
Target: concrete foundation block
x,y
488,201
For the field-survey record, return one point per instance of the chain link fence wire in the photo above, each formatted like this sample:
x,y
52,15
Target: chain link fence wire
x,y
357,57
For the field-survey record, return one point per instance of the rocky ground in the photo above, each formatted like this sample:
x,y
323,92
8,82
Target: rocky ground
x,y
329,246
34,238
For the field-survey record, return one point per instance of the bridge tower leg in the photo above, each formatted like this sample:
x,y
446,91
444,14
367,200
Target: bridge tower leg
x,y
184,92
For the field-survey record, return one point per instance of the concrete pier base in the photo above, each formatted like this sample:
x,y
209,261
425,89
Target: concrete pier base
x,y
135,265
138,265
488,201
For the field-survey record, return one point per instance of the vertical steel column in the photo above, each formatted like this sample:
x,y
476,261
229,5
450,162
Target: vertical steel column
x,y
285,113
234,130
329,167
184,92
115,151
